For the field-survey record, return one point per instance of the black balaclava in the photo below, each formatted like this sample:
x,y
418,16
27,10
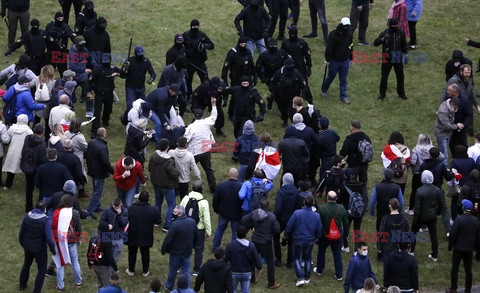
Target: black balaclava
x,y
180,63
57,15
254,5
88,8
101,24
292,34
272,45
193,30
242,79
392,24
240,41
289,66
35,24
214,85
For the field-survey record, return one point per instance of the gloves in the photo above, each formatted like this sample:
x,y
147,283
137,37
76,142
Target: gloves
x,y
126,66
259,118
310,109
309,71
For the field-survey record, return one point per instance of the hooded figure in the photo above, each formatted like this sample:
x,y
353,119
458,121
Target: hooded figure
x,y
453,65
244,147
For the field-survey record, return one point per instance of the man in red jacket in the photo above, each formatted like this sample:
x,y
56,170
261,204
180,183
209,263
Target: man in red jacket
x,y
125,174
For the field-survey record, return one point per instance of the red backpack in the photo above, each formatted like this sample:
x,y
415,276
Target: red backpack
x,y
333,232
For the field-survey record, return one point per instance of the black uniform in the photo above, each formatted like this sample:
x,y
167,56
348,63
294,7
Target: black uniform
x,y
201,98
85,19
58,34
35,44
286,84
269,62
298,49
242,106
103,84
196,45
178,49
278,8
393,41
98,41
67,4
239,62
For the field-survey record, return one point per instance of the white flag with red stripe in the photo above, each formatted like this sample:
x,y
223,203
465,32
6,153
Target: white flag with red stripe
x,y
268,161
61,222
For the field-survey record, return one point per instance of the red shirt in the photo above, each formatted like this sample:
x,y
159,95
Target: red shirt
x,y
130,181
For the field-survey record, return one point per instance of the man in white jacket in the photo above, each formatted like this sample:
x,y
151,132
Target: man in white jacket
x,y
200,139
185,163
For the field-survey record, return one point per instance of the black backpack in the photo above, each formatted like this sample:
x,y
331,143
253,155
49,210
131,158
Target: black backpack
x,y
11,80
356,204
10,110
365,151
124,118
258,192
192,209
29,160
397,166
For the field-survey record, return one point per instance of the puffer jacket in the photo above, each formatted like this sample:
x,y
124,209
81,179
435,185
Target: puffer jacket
x,y
25,102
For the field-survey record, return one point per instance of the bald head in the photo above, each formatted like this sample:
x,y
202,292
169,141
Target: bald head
x,y
331,196
232,173
101,132
64,100
452,91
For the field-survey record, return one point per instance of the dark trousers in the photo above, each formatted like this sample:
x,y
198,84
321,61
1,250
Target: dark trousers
x,y
312,167
362,172
202,71
416,184
13,18
67,4
29,187
278,249
359,18
199,248
279,9
37,62
9,180
413,32
294,6
265,250
467,257
47,128
41,260
336,247
458,138
220,122
317,7
205,160
102,100
386,68
132,257
183,189
432,230
284,103
60,66
238,125
357,224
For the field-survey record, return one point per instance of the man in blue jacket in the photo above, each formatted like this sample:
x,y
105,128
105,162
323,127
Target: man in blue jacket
x,y
162,99
359,268
246,191
303,228
35,234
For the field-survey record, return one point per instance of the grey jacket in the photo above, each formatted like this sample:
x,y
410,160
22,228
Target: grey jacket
x,y
444,125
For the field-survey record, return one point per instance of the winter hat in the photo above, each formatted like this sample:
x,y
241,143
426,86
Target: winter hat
x,y
297,118
181,62
272,42
175,87
70,85
58,14
242,40
179,38
427,177
388,174
68,74
324,122
194,22
467,205
244,78
80,40
291,131
70,187
289,62
287,179
22,119
248,127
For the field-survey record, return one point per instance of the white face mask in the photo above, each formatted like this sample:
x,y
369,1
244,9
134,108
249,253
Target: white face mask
x,y
364,253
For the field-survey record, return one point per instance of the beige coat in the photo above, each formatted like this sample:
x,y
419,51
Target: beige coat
x,y
18,133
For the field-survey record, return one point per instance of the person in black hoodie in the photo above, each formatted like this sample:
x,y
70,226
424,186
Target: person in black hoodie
x,y
464,239
141,220
335,176
391,225
295,154
394,47
228,206
299,50
471,191
401,269
178,49
58,33
285,201
453,65
116,217
106,265
264,225
85,19
338,56
216,274
98,41
350,149
324,149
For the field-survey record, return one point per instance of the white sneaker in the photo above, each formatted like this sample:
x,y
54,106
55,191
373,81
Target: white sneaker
x,y
423,230
317,272
146,274
300,282
432,258
129,273
307,281
337,278
346,249
448,234
412,253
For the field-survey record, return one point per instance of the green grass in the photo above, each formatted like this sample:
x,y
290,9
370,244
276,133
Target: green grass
x,y
153,24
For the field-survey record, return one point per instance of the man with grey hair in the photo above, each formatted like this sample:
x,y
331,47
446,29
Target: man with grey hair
x,y
179,242
59,112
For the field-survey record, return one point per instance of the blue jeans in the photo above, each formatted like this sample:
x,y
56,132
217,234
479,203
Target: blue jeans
x,y
260,46
340,67
242,173
243,279
96,200
169,195
221,227
302,253
336,247
157,126
177,262
132,94
443,143
77,273
126,196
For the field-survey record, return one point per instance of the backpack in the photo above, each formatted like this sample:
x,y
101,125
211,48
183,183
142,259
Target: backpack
x,y
192,209
356,204
10,110
11,80
258,192
333,232
365,151
397,166
474,197
124,118
95,252
29,160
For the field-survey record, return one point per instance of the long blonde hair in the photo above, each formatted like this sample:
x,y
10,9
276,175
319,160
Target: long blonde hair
x,y
47,74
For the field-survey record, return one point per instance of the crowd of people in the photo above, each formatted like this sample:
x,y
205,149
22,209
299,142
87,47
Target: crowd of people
x,y
323,190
